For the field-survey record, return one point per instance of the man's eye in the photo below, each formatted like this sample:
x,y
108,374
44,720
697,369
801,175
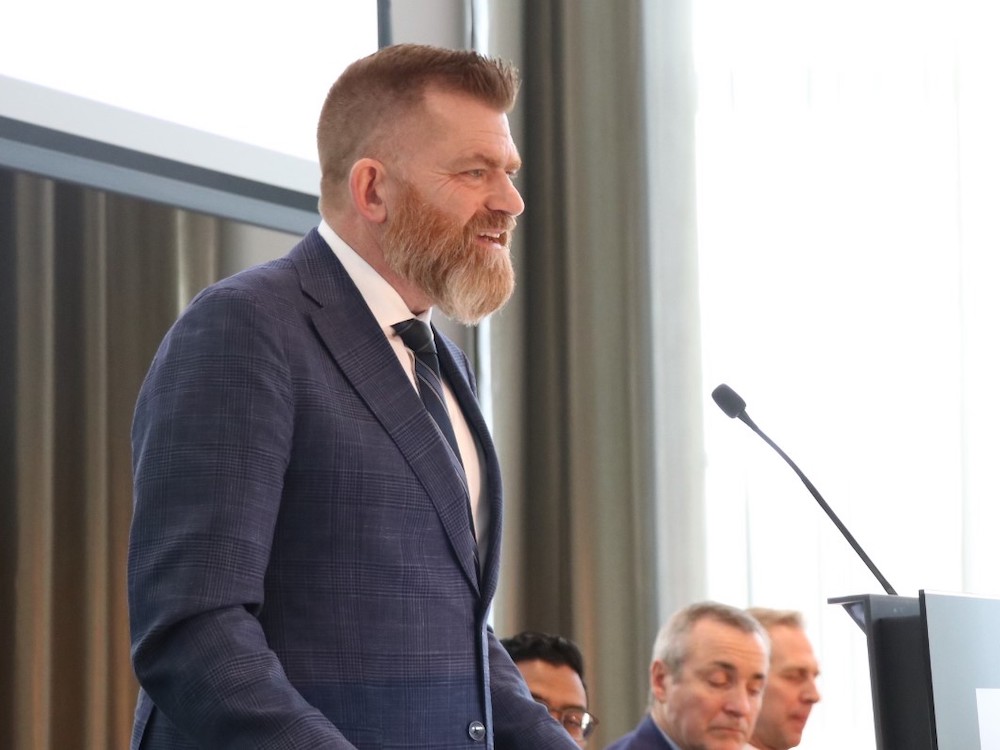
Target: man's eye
x,y
797,677
477,173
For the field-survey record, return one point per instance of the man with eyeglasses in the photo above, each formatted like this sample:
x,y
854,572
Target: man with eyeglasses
x,y
552,667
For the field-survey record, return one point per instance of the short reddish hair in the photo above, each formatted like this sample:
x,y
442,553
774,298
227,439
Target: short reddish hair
x,y
375,92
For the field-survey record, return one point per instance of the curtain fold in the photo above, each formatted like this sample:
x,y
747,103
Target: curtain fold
x,y
92,282
602,462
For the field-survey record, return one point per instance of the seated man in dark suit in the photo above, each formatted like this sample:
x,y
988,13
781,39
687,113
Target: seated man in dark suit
x,y
552,666
706,680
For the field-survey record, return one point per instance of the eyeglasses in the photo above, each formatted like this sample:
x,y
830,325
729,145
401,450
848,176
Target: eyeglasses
x,y
579,723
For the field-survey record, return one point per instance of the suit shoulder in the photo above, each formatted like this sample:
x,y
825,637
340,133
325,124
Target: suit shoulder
x,y
271,277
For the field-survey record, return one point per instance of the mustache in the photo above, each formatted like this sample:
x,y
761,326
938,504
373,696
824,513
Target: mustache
x,y
491,221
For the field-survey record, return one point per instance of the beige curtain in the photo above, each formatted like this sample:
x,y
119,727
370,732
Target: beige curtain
x,y
91,282
596,366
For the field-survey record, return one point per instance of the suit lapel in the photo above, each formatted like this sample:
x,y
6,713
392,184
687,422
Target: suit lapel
x,y
359,347
492,491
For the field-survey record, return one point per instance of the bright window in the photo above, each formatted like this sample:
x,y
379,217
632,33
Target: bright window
x,y
849,242
254,73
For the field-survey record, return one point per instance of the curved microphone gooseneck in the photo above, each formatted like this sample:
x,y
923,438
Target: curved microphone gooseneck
x,y
735,407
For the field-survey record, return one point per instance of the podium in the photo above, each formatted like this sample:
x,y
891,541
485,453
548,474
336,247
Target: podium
x,y
934,662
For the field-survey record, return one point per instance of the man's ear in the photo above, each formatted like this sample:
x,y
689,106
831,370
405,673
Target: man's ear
x,y
367,183
659,677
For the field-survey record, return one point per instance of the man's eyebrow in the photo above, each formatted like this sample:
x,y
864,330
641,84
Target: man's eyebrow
x,y
726,665
567,707
730,668
801,670
489,161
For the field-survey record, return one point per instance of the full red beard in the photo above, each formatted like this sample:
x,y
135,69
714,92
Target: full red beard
x,y
444,260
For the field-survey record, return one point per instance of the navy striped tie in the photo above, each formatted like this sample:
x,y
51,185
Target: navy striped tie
x,y
419,338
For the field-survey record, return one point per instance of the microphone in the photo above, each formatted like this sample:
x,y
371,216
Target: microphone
x,y
735,407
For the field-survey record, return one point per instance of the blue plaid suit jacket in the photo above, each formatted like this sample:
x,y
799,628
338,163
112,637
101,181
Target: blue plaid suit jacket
x,y
301,569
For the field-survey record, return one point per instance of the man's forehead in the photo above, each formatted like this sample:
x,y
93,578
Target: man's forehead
x,y
790,644
718,643
447,106
461,126
559,686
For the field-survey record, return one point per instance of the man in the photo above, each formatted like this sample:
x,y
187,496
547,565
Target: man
x,y
791,689
552,667
317,517
706,680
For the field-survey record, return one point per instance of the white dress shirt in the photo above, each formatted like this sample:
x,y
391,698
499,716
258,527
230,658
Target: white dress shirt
x,y
389,308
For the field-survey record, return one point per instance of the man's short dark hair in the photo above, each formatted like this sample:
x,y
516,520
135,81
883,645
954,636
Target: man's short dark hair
x,y
553,649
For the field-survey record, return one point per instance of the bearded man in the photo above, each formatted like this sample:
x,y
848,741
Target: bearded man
x,y
317,515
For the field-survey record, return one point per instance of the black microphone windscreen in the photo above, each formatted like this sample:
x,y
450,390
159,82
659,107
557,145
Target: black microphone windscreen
x,y
729,400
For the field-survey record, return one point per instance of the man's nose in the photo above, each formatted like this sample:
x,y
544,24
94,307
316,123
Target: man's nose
x,y
740,701
811,693
505,197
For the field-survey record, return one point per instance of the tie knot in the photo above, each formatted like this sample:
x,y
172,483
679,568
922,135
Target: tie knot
x,y
417,336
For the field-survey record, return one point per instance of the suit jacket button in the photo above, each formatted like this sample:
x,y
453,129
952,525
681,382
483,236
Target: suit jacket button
x,y
477,731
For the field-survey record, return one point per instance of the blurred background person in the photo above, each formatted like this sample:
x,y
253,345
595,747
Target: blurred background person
x,y
791,690
552,667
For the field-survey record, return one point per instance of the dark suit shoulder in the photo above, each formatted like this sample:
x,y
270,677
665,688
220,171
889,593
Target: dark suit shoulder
x,y
646,736
274,276
307,277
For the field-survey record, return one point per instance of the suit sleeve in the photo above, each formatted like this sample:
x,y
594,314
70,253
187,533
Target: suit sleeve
x,y
519,721
211,440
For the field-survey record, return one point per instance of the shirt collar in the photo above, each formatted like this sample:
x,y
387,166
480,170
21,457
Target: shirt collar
x,y
380,296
